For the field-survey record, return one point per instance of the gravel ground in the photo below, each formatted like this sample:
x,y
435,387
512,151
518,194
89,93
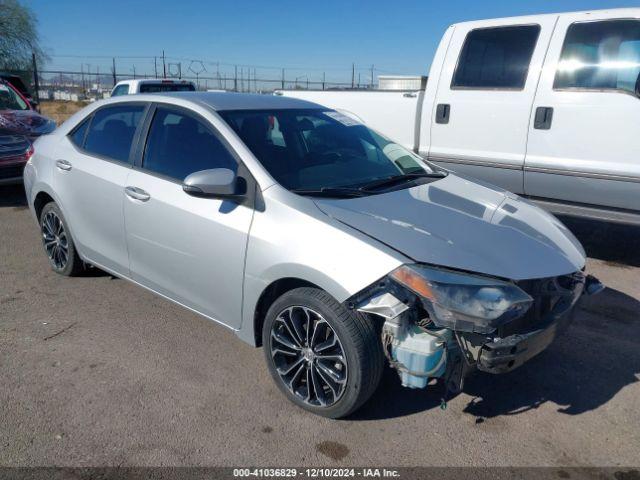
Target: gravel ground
x,y
96,371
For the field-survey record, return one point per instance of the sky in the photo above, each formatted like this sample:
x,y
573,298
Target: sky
x,y
304,37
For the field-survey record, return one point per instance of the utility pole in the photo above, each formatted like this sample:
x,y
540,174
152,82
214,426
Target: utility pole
x,y
113,71
235,79
155,67
84,89
179,70
323,79
353,75
283,78
36,86
164,66
371,76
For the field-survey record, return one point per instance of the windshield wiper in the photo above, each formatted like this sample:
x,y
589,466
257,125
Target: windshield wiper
x,y
395,179
344,192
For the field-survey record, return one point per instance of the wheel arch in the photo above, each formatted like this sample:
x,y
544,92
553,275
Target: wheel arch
x,y
269,295
40,200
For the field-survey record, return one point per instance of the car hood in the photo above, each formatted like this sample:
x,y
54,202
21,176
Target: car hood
x,y
25,122
459,223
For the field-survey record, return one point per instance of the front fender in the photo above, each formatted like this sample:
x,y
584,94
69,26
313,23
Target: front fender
x,y
303,243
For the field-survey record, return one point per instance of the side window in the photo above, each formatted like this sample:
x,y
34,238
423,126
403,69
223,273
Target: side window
x,y
120,90
78,135
603,55
112,130
496,57
178,145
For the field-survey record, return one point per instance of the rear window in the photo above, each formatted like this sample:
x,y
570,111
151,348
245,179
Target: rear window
x,y
166,87
10,100
496,58
112,130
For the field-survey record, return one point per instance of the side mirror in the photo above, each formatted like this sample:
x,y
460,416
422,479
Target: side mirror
x,y
215,183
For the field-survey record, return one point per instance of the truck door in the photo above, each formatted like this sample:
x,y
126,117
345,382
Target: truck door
x,y
584,147
485,92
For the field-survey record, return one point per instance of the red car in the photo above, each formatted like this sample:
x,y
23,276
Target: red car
x,y
19,126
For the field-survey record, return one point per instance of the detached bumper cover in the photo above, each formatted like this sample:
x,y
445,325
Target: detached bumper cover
x,y
504,354
509,353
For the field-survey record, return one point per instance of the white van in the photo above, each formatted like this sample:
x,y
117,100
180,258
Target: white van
x,y
130,87
546,106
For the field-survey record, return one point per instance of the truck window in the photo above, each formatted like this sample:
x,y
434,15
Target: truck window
x,y
166,87
120,90
603,55
496,58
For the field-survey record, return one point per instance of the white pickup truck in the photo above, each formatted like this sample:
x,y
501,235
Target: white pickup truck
x,y
546,106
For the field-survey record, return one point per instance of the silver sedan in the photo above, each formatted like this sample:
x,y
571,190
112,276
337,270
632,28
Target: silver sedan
x,y
308,233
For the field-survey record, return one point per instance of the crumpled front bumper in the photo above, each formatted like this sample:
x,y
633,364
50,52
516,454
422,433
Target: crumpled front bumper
x,y
507,353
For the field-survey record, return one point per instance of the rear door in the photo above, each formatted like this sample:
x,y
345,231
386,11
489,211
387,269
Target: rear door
x,y
187,248
484,97
588,151
92,165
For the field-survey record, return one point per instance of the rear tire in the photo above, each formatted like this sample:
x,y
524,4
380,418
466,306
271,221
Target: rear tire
x,y
323,357
57,242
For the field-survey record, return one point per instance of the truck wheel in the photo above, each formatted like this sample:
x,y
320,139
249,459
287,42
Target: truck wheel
x,y
324,357
57,242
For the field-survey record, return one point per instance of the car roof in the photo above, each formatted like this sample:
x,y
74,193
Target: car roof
x,y
226,100
622,12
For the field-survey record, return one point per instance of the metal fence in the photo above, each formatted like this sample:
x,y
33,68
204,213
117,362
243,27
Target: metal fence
x,y
91,82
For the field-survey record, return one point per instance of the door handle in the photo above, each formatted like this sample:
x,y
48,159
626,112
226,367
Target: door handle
x,y
543,118
137,194
64,165
442,113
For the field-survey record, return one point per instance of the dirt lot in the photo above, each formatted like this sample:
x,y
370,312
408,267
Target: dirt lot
x,y
96,371
59,111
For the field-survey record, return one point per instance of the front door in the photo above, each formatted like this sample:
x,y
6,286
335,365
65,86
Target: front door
x,y
588,151
189,249
484,97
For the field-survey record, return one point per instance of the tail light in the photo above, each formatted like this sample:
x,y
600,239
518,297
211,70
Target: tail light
x,y
29,153
22,157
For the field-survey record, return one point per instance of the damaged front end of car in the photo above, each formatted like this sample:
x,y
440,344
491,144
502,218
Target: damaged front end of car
x,y
441,324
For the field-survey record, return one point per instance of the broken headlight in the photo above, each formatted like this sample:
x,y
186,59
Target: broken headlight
x,y
461,301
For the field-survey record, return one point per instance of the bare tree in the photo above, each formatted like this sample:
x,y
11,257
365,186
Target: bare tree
x,y
18,36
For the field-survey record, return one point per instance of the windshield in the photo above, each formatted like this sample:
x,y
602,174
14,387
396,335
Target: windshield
x,y
10,100
315,149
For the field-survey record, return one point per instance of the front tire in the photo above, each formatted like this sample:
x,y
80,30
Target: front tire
x,y
323,357
57,242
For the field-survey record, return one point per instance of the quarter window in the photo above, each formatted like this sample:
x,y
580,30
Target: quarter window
x,y
496,58
178,145
112,130
602,55
77,137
